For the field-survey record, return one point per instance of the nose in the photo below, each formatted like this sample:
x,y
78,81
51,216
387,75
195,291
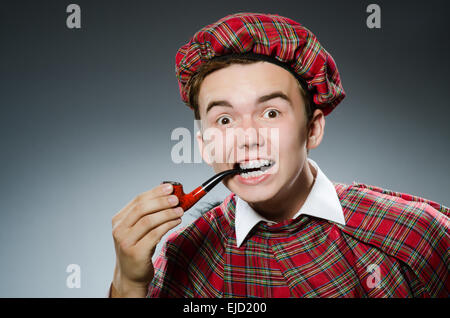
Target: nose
x,y
248,135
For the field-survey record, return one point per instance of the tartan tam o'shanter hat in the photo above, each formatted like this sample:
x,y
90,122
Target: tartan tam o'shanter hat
x,y
266,37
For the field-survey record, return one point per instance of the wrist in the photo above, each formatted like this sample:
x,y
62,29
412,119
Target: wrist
x,y
123,287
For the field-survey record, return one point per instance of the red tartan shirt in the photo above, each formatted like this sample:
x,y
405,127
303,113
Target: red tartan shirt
x,y
393,245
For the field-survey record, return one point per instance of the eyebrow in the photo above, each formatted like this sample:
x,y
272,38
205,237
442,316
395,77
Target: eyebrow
x,y
262,99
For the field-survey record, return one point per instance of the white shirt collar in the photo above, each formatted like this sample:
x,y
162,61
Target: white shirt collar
x,y
322,202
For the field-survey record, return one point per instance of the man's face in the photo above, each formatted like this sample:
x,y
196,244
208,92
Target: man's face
x,y
251,128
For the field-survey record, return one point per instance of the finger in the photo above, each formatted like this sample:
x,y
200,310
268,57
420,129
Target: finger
x,y
123,227
150,222
145,207
158,191
152,238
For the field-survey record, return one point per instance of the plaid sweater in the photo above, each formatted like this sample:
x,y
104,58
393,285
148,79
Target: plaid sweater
x,y
393,245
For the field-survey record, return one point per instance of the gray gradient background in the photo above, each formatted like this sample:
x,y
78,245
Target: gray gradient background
x,y
86,118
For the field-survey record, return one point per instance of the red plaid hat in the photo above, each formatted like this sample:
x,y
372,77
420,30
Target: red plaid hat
x,y
268,37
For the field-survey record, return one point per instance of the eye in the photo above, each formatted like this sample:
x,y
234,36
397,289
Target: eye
x,y
271,113
224,120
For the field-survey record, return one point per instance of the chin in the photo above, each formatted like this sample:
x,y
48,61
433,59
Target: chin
x,y
255,197
253,193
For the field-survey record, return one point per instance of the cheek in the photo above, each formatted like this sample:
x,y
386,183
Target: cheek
x,y
215,146
219,167
230,146
292,141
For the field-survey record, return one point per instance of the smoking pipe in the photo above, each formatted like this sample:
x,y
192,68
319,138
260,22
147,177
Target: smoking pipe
x,y
186,201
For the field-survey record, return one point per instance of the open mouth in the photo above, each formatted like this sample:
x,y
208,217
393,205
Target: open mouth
x,y
254,168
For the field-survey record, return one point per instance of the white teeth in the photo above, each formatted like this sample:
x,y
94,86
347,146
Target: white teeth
x,y
264,164
254,164
252,174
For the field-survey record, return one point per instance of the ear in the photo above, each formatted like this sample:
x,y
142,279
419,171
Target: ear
x,y
201,148
316,130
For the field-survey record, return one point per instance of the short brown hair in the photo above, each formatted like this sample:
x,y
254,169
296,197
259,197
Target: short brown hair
x,y
214,65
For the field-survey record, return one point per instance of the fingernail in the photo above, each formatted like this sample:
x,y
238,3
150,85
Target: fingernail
x,y
179,211
167,188
173,199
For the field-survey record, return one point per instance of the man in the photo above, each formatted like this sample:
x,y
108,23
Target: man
x,y
286,230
